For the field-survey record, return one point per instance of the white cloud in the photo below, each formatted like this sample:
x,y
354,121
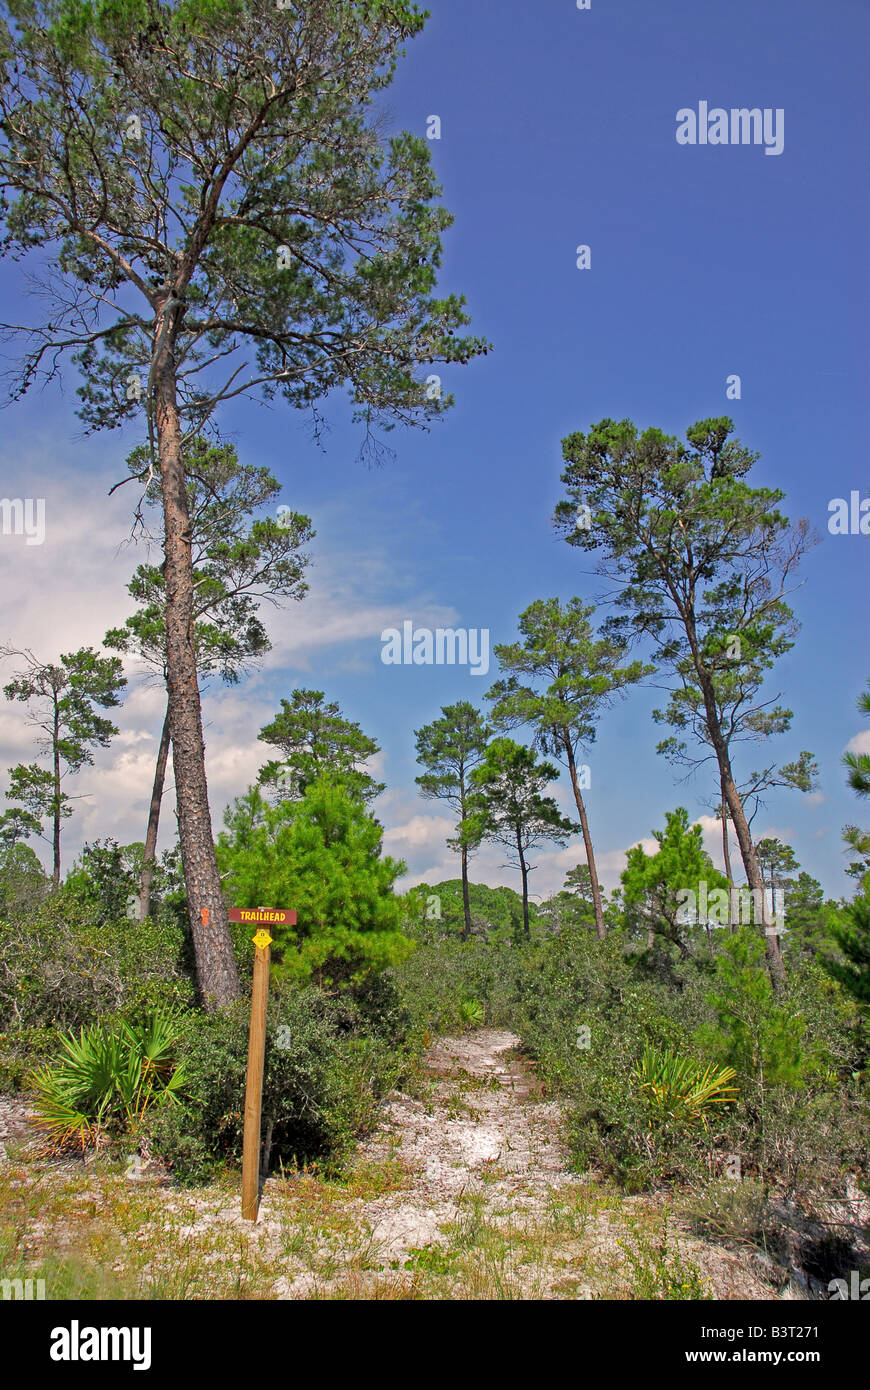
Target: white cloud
x,y
68,593
773,832
860,743
420,841
128,737
418,833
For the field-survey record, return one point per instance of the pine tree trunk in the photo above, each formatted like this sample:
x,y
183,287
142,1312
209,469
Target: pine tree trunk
x,y
732,799
466,905
726,848
587,841
216,968
754,877
729,872
55,875
525,876
150,855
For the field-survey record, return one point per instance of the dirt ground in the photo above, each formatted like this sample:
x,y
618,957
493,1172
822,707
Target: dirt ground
x,y
463,1191
483,1151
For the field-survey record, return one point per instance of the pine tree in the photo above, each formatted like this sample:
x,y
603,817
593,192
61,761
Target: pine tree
x,y
508,806
450,749
219,216
316,739
63,699
560,680
703,565
320,855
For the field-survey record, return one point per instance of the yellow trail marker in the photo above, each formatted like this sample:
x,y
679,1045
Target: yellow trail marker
x,y
262,939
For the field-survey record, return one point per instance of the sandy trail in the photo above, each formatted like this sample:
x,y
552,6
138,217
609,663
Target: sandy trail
x,y
463,1191
482,1129
487,1199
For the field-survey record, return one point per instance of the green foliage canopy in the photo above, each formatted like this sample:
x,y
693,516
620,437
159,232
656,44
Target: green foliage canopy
x,y
321,856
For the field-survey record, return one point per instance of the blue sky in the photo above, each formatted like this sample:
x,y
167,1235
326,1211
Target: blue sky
x,y
558,129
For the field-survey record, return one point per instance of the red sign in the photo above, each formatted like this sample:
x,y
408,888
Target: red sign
x,y
263,916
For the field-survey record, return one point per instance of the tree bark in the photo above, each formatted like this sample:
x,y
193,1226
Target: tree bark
x,y
525,876
587,841
726,848
55,874
726,854
149,858
466,905
216,968
732,799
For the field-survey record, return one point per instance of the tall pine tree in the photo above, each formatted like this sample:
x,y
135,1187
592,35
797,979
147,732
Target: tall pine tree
x,y
215,214
450,748
560,681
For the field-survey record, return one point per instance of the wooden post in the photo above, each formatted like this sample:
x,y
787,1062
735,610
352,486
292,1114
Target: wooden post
x,y
254,1084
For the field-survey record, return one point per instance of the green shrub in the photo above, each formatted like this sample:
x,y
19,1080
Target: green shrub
x,y
753,1033
834,1043
588,1012
441,975
59,970
612,1128
321,1088
376,1006
23,881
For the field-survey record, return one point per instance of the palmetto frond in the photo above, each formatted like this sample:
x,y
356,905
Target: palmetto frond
x,y
106,1077
681,1087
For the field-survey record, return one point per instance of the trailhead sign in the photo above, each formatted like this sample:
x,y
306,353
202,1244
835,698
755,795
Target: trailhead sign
x,y
261,918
